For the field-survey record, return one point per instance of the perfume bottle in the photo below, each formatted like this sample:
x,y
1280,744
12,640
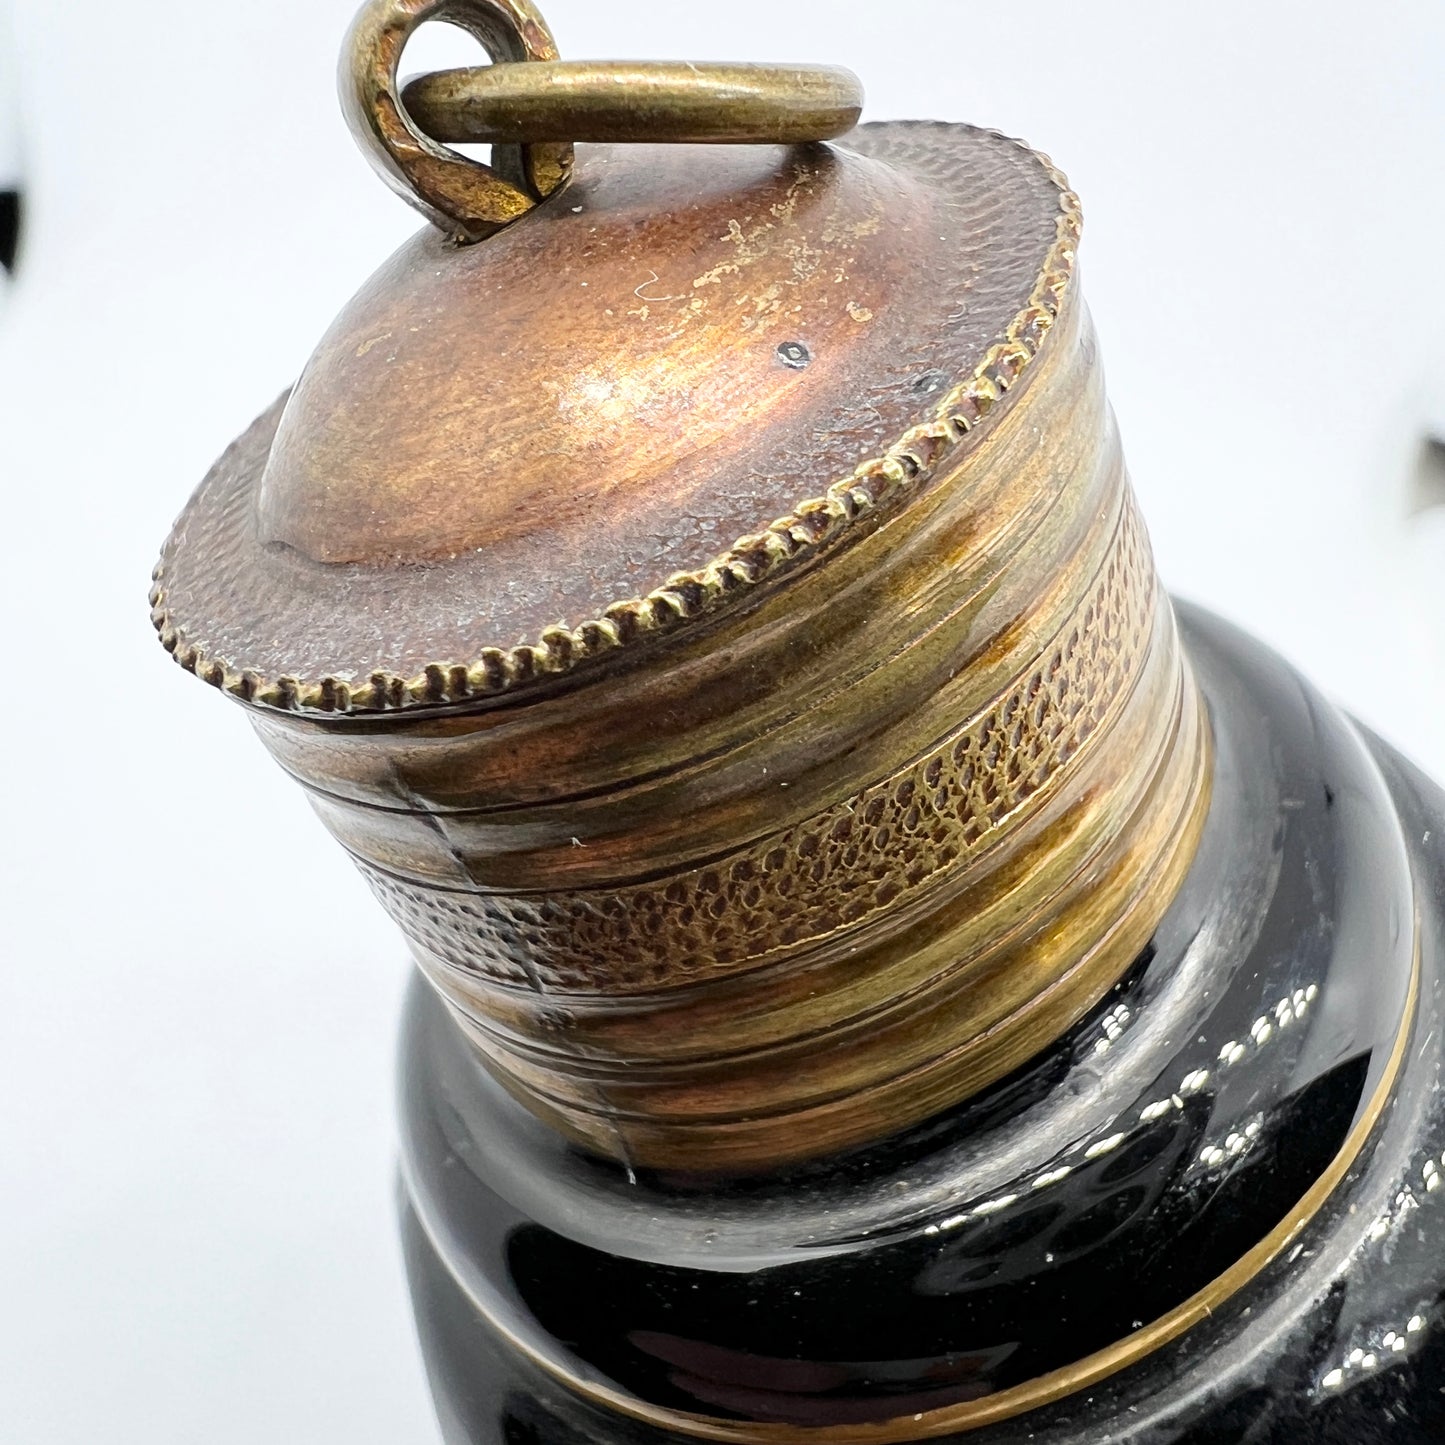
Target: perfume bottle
x,y
886,973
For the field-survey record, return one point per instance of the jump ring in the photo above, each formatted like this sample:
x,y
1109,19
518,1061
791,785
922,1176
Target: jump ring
x,y
462,196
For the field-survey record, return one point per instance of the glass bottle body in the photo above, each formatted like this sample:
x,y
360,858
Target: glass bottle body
x,y
1214,1210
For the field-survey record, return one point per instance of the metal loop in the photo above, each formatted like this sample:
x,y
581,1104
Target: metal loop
x,y
624,101
462,196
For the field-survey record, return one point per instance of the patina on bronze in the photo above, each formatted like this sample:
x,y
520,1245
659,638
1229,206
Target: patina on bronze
x,y
714,615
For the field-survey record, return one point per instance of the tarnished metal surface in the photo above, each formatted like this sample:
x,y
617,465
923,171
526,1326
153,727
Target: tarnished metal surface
x,y
465,198
643,102
832,863
595,428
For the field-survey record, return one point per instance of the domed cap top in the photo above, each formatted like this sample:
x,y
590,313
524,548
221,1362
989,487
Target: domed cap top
x,y
662,345
674,379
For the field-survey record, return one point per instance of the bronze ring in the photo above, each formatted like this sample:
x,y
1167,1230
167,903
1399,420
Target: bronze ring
x,y
628,101
462,196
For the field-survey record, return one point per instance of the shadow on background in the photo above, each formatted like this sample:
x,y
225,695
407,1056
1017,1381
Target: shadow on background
x,y
10,215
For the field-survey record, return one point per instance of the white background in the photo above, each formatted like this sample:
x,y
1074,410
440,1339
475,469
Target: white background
x,y
197,995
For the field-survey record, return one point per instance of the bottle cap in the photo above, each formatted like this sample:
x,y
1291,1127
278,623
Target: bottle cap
x,y
698,582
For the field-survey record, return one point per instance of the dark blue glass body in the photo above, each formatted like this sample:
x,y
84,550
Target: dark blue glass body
x,y
1288,1008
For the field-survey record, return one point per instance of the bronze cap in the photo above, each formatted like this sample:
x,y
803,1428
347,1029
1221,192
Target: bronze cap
x,y
713,613
690,371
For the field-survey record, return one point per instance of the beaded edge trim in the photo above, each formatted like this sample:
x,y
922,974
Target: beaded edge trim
x,y
685,596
